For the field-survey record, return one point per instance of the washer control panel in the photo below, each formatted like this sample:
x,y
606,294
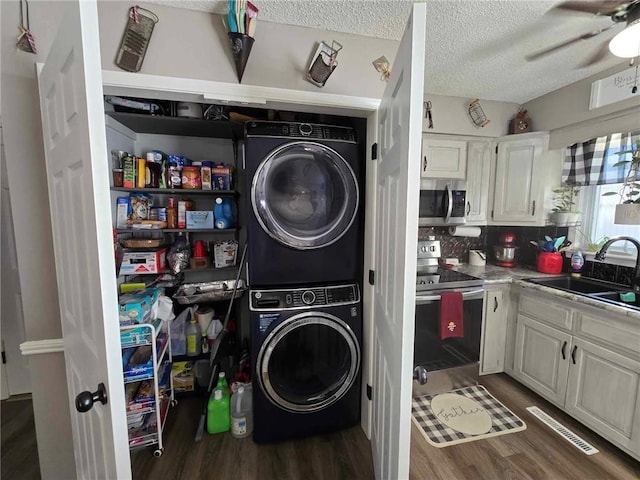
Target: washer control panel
x,y
297,298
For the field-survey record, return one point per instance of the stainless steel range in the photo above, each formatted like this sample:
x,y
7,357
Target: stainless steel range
x,y
446,363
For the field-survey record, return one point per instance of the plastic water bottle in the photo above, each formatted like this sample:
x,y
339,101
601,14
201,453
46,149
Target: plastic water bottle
x,y
218,419
194,335
223,213
577,261
241,413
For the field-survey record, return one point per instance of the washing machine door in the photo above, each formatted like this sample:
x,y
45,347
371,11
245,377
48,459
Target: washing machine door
x,y
305,195
308,362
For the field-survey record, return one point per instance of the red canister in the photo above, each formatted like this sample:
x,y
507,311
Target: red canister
x,y
549,262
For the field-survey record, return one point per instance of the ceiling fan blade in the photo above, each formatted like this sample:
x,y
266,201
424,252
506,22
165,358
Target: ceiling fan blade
x,y
600,54
566,43
602,7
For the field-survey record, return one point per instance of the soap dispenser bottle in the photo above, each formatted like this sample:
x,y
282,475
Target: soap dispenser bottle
x,y
577,262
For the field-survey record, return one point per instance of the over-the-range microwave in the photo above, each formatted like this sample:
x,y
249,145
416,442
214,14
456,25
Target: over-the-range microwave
x,y
443,201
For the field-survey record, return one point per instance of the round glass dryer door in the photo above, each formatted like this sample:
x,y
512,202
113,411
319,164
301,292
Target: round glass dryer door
x,y
305,195
308,362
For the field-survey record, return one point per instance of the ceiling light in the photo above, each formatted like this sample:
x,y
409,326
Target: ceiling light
x,y
626,44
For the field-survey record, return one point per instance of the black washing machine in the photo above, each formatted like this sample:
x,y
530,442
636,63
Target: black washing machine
x,y
305,198
306,359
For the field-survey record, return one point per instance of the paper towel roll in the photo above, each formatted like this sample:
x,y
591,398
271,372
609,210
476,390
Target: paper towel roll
x,y
465,231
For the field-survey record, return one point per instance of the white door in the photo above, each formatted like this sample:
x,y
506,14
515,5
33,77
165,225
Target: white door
x,y
396,237
78,180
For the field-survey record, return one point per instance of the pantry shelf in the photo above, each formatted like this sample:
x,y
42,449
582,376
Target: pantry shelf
x,y
178,230
175,191
186,127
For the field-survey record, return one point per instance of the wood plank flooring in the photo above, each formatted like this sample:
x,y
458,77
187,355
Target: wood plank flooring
x,y
536,453
19,448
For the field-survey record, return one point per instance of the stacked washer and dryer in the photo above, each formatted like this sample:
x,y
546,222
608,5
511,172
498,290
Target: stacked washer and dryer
x,y
305,227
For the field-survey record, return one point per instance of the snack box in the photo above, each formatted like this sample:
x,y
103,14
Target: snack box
x,y
221,177
200,219
224,253
135,263
134,308
184,379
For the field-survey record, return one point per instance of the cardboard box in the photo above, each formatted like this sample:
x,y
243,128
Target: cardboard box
x,y
153,261
221,177
183,207
200,219
184,379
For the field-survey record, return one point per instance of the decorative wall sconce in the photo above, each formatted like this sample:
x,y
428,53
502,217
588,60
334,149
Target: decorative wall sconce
x,y
323,63
382,65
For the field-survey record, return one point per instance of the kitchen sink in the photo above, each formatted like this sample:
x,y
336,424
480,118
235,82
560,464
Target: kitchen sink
x,y
614,297
578,285
597,289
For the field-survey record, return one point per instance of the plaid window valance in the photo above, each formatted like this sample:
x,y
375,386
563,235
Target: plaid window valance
x,y
591,162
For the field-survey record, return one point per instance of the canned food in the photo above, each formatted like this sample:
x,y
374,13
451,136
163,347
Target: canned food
x,y
191,178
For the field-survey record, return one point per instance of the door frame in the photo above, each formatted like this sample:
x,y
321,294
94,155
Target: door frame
x,y
184,89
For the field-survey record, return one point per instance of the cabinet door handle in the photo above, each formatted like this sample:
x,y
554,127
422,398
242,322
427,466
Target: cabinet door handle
x,y
468,208
424,164
573,354
564,345
495,304
533,209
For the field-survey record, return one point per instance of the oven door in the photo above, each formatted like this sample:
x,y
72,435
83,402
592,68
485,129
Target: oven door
x,y
434,353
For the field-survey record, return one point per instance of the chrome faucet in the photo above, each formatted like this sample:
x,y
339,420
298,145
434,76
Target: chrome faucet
x,y
602,253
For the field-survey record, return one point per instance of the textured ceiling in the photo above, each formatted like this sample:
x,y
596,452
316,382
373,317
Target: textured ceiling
x,y
475,48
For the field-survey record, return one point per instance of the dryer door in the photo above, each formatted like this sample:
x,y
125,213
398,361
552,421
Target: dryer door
x,y
305,195
308,362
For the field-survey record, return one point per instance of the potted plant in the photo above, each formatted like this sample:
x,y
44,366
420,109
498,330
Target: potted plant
x,y
591,245
563,213
628,210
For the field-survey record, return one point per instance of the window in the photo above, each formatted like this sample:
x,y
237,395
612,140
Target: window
x,y
598,217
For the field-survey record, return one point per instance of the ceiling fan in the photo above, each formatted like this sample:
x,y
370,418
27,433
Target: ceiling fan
x,y
625,44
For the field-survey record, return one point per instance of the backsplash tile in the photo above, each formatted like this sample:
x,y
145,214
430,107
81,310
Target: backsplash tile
x,y
458,247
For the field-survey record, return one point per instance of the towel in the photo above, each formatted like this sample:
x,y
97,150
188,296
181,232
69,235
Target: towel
x,y
451,324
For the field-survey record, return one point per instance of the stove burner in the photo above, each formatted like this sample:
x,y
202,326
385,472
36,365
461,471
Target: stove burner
x,y
446,279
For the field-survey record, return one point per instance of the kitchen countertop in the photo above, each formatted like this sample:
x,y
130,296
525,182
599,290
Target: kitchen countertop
x,y
493,275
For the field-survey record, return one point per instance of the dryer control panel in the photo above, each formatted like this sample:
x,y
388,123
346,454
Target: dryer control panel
x,y
300,130
301,298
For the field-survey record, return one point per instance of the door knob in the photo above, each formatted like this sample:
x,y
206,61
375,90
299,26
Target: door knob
x,y
420,375
86,399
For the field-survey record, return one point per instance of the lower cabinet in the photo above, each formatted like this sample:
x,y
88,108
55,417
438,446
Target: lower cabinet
x,y
591,379
603,392
541,358
494,330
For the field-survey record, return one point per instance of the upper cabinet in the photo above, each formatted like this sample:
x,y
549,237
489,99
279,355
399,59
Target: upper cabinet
x,y
443,158
520,173
478,170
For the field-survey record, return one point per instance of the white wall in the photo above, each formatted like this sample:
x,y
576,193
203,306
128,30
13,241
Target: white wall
x,y
450,115
192,44
565,112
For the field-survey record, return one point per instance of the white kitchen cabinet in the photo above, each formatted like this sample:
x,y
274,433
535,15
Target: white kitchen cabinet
x,y
494,330
519,180
602,393
583,359
443,157
478,171
540,361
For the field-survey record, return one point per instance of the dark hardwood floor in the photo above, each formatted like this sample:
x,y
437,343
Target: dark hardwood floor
x,y
19,448
536,453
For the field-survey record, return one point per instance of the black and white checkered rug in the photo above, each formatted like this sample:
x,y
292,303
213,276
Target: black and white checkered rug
x,y
438,434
